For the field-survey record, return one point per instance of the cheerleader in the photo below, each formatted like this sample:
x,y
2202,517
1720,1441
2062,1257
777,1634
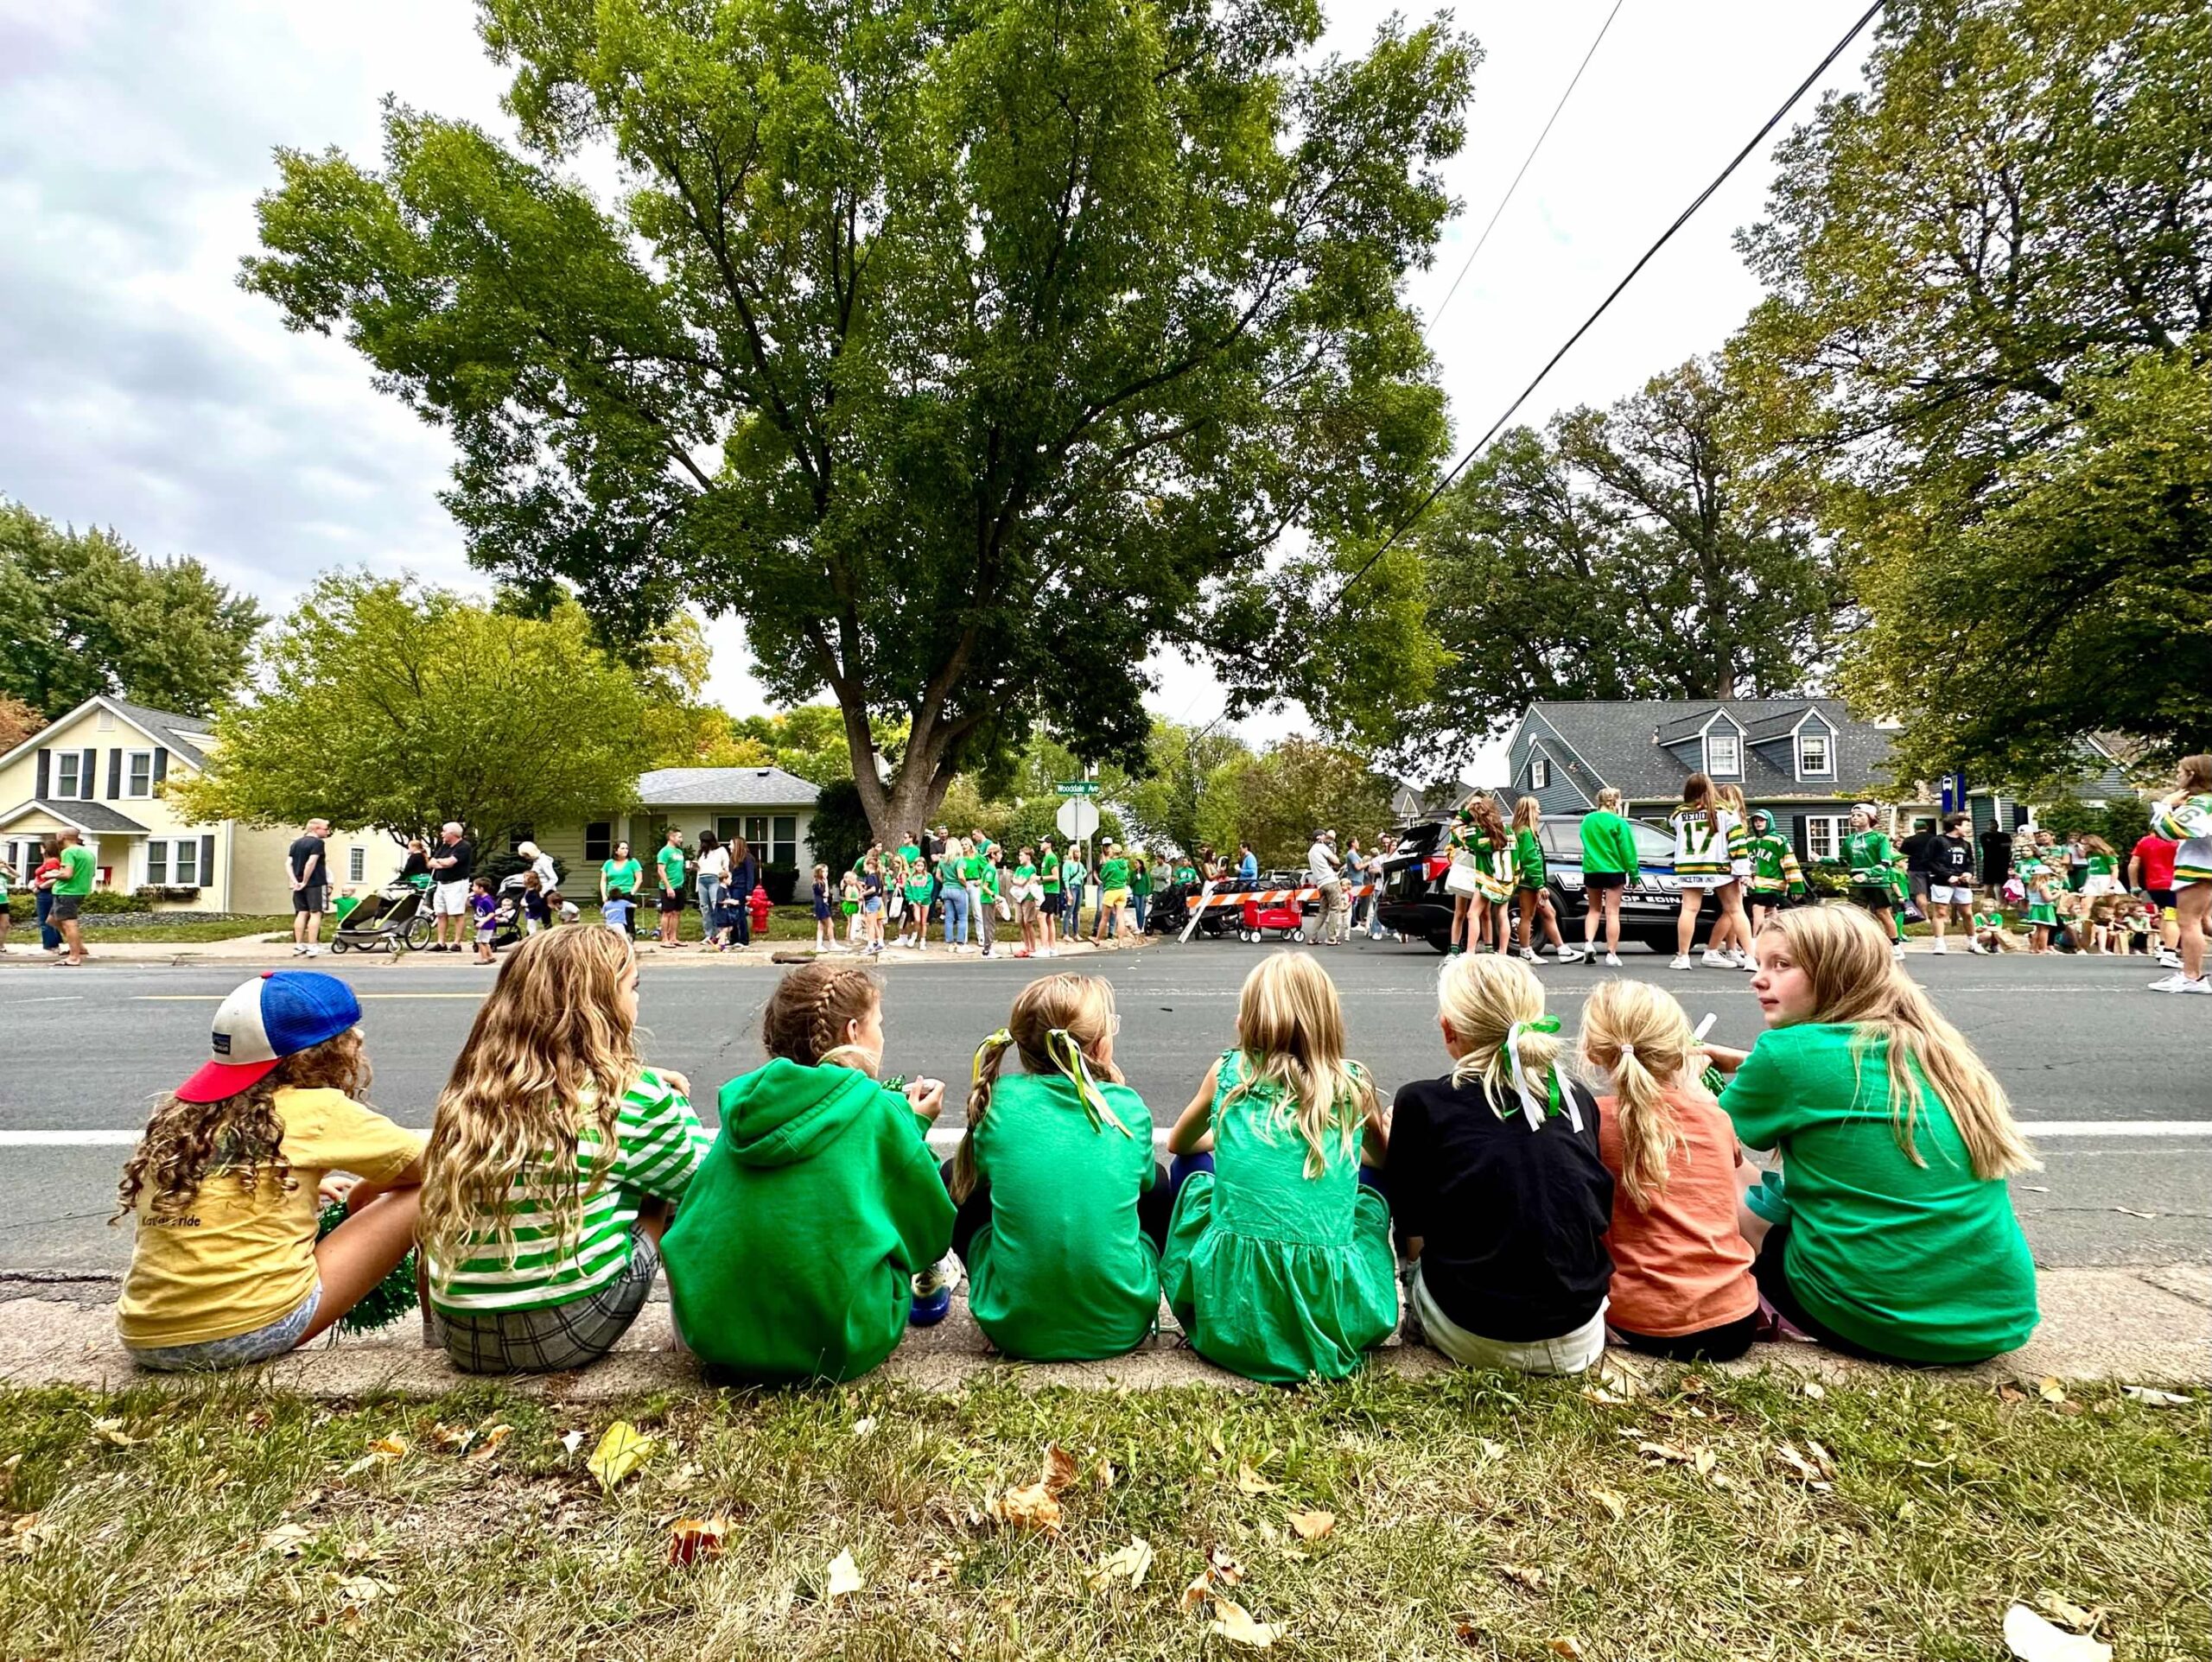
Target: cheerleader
x,y
1459,880
2185,815
1493,849
1734,921
1701,863
1531,890
2044,885
1875,867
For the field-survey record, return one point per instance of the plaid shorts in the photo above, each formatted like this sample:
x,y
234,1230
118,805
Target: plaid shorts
x,y
558,1337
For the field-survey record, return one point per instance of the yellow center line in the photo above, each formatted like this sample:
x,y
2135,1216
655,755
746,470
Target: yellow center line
x,y
217,997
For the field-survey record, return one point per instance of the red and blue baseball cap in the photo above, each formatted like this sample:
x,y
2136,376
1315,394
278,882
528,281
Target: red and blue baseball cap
x,y
278,1014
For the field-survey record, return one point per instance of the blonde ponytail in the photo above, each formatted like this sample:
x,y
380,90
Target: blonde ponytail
x,y
1494,1005
1059,1024
1637,1034
983,1075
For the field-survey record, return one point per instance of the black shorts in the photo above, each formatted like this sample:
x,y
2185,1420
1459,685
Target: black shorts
x,y
1873,897
1722,1344
1053,904
1768,1270
672,903
65,908
2162,899
313,898
1767,897
1605,880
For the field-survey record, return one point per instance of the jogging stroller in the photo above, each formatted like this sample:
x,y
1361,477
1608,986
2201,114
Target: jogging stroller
x,y
1261,919
395,917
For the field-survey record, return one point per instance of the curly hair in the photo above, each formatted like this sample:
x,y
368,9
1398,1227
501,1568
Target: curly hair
x,y
185,1143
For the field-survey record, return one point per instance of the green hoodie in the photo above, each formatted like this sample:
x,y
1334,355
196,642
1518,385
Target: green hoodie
x,y
790,1255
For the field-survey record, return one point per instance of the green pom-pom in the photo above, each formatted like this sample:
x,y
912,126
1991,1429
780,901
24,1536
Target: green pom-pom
x,y
386,1302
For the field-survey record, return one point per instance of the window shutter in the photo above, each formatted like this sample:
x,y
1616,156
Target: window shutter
x,y
208,864
1797,836
45,770
161,764
115,776
87,777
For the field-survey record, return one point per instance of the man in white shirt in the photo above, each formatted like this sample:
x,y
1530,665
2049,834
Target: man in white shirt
x,y
1325,870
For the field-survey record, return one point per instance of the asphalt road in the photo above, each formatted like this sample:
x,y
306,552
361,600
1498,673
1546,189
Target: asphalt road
x,y
2075,1040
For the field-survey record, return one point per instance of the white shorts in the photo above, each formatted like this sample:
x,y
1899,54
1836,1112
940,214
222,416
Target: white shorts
x,y
1955,894
450,899
1705,880
1740,869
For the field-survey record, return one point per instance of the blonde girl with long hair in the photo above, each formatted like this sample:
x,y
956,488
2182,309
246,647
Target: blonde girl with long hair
x,y
1703,865
1733,934
555,1156
1501,1199
1894,1236
1682,1285
817,1228
1610,861
1063,1208
228,1181
1530,889
1279,1264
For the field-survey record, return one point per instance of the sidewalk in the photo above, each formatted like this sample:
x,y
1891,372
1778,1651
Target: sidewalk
x,y
252,952
2133,1326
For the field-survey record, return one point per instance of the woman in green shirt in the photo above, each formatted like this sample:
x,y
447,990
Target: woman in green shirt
x,y
1892,1235
1609,861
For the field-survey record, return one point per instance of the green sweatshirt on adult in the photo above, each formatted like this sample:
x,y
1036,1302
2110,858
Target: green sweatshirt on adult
x,y
790,1257
1063,1271
1607,843
1923,1262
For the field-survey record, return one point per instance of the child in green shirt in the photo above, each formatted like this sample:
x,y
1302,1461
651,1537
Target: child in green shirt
x,y
817,1225
1893,1236
1048,875
1063,1208
1531,889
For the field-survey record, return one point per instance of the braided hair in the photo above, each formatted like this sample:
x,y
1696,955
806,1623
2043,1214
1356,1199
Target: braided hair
x,y
808,1013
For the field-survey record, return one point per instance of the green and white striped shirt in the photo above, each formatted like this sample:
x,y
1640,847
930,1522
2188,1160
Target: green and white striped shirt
x,y
658,1144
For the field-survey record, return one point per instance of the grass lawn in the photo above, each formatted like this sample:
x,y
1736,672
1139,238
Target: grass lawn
x,y
1468,1516
217,929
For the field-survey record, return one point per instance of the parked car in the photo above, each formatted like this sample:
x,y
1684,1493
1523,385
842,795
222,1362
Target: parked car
x,y
1418,906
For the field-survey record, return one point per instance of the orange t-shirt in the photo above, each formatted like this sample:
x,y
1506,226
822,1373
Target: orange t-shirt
x,y
1683,1267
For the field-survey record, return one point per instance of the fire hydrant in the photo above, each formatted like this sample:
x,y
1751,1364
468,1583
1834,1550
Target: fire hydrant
x,y
759,907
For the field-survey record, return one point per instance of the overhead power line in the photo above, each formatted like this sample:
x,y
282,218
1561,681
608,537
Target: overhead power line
x,y
1525,161
1665,237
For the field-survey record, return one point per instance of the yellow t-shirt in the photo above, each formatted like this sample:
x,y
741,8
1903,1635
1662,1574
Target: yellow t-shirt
x,y
236,1259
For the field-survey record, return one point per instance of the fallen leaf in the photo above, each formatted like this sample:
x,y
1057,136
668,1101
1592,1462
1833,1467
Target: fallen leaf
x,y
572,1441
620,1452
1104,1473
1491,1450
2010,1393
864,1424
288,1540
1128,1564
1603,1397
1706,1460
1059,1469
1312,1525
1233,1622
1251,1483
1610,1500
1821,1458
395,1447
1031,1507
1527,1574
2151,1396
1197,1592
2061,1608
111,1430
2033,1639
2051,1391
696,1540
364,1590
383,1451
1815,1390
844,1576
1223,1568
490,1440
1569,1646
1664,1451
1213,1444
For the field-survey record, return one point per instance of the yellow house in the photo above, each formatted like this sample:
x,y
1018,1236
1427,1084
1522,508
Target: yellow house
x,y
104,770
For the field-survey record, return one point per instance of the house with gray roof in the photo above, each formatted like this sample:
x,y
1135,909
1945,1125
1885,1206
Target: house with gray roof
x,y
771,809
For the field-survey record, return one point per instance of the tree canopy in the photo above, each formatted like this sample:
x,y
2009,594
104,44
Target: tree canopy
x,y
87,615
968,353
391,705
1638,552
1988,340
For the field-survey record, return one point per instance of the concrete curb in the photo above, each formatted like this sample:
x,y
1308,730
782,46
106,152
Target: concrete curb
x,y
2134,1326
253,954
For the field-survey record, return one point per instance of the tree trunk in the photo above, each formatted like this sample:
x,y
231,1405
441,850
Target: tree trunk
x,y
917,786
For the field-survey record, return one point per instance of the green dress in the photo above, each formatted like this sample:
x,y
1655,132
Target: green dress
x,y
1275,1275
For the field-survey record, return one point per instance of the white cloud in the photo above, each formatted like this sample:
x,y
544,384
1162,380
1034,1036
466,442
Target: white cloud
x,y
140,387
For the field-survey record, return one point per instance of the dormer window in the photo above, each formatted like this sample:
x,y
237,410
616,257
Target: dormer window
x,y
1812,754
1724,755
1540,772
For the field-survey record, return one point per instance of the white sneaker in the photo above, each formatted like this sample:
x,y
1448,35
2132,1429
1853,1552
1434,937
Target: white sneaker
x,y
1939,949
2169,959
1896,951
2202,984
1613,961
1716,959
1682,962
1571,955
1529,955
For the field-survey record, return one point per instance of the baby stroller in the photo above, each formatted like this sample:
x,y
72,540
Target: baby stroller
x,y
1287,920
506,921
394,917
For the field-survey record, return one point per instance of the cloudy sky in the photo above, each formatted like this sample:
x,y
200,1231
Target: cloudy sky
x,y
140,387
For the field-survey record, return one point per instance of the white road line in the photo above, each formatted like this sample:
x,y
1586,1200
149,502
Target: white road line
x,y
944,1138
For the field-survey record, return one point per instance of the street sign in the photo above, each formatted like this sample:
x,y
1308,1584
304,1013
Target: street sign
x,y
1078,819
1077,787
1955,793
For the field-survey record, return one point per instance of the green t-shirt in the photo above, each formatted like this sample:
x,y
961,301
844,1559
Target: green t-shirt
x,y
1869,856
910,853
1114,874
1992,920
1186,874
1139,878
1050,865
77,871
1025,876
990,883
1528,860
1063,1271
621,874
1607,843
1926,1262
658,1143
670,859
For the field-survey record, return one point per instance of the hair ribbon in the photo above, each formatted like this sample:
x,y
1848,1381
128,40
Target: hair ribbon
x,y
1556,1098
1067,1054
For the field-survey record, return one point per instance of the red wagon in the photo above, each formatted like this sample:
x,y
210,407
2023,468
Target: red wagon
x,y
1283,918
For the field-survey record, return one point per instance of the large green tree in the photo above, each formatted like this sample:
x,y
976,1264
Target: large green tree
x,y
1277,800
391,704
968,353
1642,551
1988,336
85,614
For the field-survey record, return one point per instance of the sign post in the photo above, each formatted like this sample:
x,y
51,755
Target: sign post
x,y
1077,787
1078,819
